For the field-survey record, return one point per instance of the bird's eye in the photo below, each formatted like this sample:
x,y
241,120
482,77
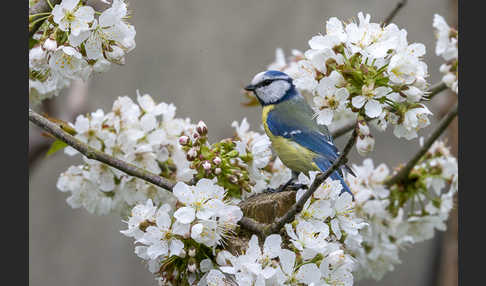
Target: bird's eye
x,y
266,82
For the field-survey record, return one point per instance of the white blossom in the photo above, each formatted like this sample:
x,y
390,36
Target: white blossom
x,y
71,17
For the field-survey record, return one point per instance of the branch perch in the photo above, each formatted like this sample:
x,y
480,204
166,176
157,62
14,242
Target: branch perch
x,y
394,12
402,175
297,207
94,154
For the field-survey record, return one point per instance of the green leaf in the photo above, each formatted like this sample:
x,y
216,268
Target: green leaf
x,y
32,43
56,146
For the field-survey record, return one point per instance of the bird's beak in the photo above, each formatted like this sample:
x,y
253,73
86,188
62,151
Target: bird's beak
x,y
250,87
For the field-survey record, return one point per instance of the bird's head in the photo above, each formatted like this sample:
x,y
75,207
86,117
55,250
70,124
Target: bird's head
x,y
271,87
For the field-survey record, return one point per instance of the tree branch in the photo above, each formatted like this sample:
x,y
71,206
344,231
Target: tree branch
x,y
431,92
402,175
91,153
252,225
394,12
40,7
343,130
297,207
435,89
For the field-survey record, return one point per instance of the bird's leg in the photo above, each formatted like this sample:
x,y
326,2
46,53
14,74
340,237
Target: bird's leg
x,y
282,187
290,185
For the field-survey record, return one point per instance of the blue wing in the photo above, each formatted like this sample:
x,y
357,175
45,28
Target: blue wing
x,y
302,129
281,125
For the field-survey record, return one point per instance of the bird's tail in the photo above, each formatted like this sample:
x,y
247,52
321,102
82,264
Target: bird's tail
x,y
325,164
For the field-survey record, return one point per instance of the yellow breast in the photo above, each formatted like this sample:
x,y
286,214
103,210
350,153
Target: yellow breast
x,y
293,155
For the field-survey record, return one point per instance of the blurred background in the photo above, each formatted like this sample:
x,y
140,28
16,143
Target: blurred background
x,y
198,55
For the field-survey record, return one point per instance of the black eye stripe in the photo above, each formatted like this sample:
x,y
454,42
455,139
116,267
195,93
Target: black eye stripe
x,y
264,83
268,82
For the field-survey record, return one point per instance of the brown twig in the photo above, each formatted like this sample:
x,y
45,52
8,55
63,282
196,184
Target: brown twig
x,y
91,153
402,175
394,12
431,92
76,104
297,207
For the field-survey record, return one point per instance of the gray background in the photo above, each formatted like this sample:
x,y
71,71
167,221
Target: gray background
x,y
198,55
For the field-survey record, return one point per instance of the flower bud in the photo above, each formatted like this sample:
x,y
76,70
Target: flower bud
x,y
192,252
182,254
449,79
206,165
233,179
217,160
365,144
444,68
116,55
195,136
191,154
363,128
217,171
183,140
201,128
192,267
50,45
233,153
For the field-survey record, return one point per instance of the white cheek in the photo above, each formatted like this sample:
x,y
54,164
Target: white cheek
x,y
273,92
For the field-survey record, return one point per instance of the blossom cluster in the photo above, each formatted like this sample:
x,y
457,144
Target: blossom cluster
x,y
362,69
265,172
145,134
179,244
72,43
403,214
185,235
446,47
221,160
312,252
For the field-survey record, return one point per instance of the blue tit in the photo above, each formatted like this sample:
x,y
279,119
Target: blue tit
x,y
300,143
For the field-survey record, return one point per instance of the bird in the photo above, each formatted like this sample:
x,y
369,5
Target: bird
x,y
301,144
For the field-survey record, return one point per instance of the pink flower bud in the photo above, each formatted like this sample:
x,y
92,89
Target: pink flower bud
x,y
183,140
217,161
191,154
201,128
192,267
206,165
192,252
233,179
217,171
195,136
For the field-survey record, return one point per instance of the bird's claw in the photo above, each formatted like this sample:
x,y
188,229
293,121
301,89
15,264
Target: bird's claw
x,y
295,187
270,190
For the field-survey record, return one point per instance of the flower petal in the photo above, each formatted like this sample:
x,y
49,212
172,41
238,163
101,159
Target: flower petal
x,y
185,215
